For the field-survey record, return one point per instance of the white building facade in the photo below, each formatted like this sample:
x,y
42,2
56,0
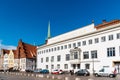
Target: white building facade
x,y
90,47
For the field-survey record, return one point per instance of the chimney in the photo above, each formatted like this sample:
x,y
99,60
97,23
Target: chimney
x,y
104,21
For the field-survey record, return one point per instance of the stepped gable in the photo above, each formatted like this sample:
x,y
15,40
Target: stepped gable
x,y
30,50
25,50
106,24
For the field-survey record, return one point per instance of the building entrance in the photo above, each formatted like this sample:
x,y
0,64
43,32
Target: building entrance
x,y
117,66
76,66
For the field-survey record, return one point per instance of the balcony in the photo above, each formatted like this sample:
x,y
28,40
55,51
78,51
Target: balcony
x,y
75,55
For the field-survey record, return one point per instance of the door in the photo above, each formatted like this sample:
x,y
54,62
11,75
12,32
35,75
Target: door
x,y
117,66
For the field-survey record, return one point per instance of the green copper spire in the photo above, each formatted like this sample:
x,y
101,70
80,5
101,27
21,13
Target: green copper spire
x,y
48,36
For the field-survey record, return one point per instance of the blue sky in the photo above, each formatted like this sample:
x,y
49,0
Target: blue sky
x,y
28,19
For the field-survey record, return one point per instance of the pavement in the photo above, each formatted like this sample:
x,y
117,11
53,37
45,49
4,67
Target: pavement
x,y
32,76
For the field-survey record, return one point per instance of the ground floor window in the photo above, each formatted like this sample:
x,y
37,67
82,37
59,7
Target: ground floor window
x,y
78,66
46,66
65,66
87,66
52,66
58,66
74,66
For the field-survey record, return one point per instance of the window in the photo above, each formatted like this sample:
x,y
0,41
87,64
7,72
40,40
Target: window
x,y
103,39
65,46
78,66
74,66
52,49
49,50
41,51
58,66
69,45
74,44
52,66
75,55
55,49
65,66
87,66
58,58
84,43
79,44
46,66
111,51
90,41
110,37
67,57
38,53
41,60
118,35
61,47
47,59
94,54
58,48
44,51
52,58
86,55
96,40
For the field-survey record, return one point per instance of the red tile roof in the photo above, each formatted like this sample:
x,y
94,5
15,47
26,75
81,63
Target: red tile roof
x,y
106,24
30,50
25,50
5,51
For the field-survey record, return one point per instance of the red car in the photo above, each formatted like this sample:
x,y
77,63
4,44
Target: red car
x,y
57,71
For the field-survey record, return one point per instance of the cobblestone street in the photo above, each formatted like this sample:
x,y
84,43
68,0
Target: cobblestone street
x,y
32,76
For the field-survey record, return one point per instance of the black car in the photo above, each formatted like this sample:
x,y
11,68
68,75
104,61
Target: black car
x,y
82,72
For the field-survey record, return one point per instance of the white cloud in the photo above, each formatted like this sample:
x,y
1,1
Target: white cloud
x,y
9,47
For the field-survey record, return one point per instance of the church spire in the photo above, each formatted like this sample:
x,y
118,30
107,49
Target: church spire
x,y
49,35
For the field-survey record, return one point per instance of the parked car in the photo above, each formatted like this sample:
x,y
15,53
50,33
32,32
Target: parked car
x,y
29,70
44,71
13,70
111,72
82,72
57,71
37,70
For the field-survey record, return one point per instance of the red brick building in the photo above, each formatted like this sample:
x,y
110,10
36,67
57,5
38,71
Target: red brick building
x,y
27,56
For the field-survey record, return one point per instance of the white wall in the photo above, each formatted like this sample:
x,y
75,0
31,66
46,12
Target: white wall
x,y
101,48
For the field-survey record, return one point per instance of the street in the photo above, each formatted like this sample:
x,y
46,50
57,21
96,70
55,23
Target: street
x,y
52,77
18,77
